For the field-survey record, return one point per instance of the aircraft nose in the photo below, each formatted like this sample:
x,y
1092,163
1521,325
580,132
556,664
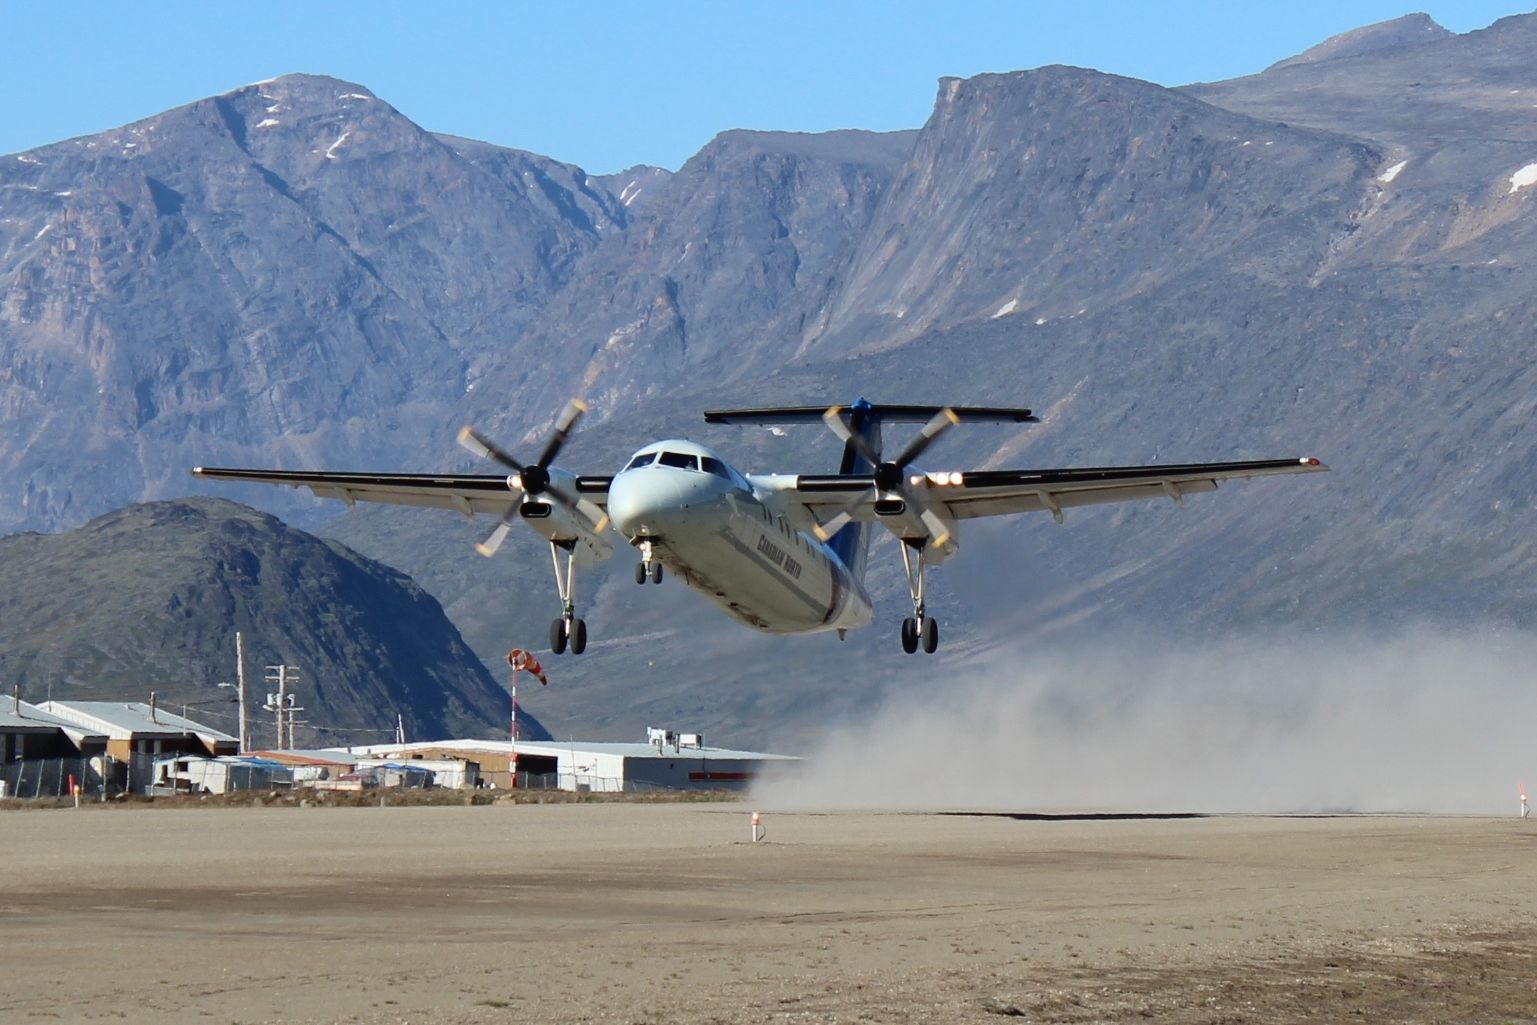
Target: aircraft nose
x,y
644,502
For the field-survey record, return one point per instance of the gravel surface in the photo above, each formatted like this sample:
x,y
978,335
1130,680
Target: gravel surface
x,y
667,913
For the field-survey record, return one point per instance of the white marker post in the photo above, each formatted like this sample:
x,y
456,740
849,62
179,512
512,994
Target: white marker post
x,y
1525,811
757,828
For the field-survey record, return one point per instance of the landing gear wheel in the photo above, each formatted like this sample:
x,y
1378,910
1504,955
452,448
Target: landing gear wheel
x,y
578,637
930,636
656,572
909,635
640,572
558,636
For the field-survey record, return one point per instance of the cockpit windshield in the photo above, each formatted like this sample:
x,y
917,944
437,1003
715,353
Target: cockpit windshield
x,y
644,459
678,459
687,461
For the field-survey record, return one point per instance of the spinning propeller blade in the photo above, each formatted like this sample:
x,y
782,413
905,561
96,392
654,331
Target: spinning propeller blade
x,y
533,479
472,440
834,420
494,540
825,531
942,422
568,418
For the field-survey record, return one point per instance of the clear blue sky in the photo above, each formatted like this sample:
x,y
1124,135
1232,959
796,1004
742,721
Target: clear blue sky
x,y
606,85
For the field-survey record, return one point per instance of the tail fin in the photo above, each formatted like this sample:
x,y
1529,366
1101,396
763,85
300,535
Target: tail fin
x,y
852,543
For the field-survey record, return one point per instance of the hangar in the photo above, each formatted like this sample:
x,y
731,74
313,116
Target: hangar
x,y
668,761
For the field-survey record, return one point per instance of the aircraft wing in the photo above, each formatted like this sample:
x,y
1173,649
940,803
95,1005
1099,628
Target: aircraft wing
x,y
466,493
976,493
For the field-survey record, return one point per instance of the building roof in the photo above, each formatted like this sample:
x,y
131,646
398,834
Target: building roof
x,y
503,747
264,763
292,757
22,716
123,720
624,750
554,747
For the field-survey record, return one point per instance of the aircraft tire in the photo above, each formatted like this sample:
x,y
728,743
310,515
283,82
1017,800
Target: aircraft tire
x,y
558,636
909,635
656,572
930,636
640,572
578,636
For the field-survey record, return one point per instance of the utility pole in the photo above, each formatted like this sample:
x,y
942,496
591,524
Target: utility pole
x,y
282,703
245,732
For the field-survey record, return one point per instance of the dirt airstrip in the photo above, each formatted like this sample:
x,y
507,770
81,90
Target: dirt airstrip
x,y
667,914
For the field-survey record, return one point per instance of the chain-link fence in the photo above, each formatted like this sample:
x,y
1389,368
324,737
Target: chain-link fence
x,y
100,777
52,777
583,783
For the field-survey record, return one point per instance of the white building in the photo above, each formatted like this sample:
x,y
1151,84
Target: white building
x,y
670,761
196,774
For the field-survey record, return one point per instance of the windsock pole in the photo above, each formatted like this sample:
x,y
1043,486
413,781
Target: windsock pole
x,y
520,661
512,759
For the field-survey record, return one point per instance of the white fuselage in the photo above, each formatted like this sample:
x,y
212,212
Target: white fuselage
x,y
732,542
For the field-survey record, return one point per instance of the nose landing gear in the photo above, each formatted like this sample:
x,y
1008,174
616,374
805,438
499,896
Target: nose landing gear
x,y
648,568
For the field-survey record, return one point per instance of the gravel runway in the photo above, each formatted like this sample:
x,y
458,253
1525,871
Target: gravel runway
x,y
666,913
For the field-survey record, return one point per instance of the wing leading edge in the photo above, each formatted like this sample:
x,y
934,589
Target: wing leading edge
x,y
976,493
466,493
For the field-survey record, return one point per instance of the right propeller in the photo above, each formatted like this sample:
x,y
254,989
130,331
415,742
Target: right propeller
x,y
890,478
533,479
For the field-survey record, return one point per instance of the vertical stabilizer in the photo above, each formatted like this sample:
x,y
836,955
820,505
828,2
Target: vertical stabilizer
x,y
852,543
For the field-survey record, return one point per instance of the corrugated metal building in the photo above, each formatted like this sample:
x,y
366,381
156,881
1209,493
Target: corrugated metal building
x,y
29,732
671,761
136,728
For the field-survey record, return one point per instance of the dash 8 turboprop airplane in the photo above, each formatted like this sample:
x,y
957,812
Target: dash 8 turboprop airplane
x,y
784,553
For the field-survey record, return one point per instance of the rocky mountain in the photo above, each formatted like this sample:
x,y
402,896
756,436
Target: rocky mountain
x,y
1410,30
1330,257
736,254
260,275
149,599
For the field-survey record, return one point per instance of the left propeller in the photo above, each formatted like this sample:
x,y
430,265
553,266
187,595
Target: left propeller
x,y
533,479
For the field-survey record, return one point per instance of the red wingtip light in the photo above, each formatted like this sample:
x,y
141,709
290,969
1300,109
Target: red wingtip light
x,y
1310,461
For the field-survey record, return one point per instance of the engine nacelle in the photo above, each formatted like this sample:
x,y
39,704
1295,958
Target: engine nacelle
x,y
555,523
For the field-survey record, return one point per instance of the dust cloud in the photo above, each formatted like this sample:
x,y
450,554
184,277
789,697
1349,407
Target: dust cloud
x,y
1415,722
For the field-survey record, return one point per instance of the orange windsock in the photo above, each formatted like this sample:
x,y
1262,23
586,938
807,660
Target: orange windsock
x,y
524,661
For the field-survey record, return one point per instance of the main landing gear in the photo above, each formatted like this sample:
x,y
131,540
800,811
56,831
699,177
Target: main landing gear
x,y
648,568
918,628
567,631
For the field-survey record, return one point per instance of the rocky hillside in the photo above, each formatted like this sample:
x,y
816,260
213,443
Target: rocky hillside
x,y
149,599
291,270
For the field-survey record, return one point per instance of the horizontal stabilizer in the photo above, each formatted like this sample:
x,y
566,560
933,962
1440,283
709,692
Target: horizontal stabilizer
x,y
891,414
